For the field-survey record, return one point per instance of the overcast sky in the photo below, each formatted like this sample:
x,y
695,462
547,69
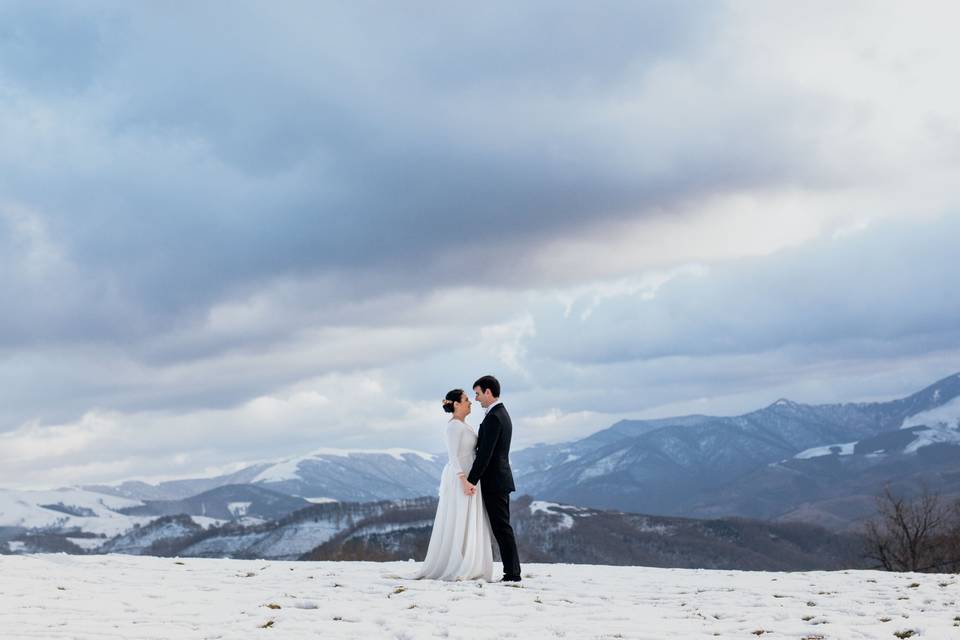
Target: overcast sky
x,y
232,231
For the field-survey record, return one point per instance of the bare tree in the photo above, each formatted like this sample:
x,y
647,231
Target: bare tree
x,y
922,534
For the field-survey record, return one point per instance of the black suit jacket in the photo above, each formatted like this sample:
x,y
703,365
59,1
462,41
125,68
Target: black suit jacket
x,y
492,464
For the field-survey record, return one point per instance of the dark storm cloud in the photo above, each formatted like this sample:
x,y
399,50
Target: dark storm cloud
x,y
197,151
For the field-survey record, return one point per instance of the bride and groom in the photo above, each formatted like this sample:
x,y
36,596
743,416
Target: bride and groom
x,y
475,491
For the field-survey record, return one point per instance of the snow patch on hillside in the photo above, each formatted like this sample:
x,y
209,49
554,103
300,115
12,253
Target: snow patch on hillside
x,y
286,470
238,509
207,522
947,414
941,433
844,449
554,509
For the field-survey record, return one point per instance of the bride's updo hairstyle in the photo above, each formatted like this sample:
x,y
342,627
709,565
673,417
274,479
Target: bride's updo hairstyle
x,y
453,396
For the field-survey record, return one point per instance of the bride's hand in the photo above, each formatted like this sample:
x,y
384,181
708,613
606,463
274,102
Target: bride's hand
x,y
468,488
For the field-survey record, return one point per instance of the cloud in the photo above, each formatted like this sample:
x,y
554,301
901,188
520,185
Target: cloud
x,y
152,444
621,209
883,285
266,146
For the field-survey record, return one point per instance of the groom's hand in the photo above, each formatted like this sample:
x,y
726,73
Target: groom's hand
x,y
468,488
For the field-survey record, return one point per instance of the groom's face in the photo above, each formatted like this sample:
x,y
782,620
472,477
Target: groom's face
x,y
485,398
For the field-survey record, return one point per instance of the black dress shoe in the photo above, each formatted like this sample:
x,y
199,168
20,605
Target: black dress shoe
x,y
510,579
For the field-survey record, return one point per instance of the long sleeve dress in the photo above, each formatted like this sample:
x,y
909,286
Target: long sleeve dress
x,y
461,541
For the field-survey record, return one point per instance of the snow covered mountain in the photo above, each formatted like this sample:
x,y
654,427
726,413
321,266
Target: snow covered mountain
x,y
67,520
678,466
835,485
247,502
546,532
66,509
287,538
788,461
322,475
355,475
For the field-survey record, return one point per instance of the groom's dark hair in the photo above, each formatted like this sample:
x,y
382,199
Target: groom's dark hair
x,y
488,383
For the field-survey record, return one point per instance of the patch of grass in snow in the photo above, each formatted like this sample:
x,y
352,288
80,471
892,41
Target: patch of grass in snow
x,y
274,605
905,634
816,636
398,590
885,619
266,625
807,618
914,585
759,632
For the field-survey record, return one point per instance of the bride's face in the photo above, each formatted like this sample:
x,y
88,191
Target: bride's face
x,y
463,407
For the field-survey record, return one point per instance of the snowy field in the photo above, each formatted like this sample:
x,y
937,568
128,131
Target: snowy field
x,y
60,596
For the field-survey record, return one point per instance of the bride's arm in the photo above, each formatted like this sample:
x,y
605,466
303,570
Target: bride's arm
x,y
453,446
454,433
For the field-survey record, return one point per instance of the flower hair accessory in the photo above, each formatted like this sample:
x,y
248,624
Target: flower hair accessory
x,y
446,402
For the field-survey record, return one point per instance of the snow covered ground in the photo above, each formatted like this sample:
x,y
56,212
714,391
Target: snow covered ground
x,y
103,597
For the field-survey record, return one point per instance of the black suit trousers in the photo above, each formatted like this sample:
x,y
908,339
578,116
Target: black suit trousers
x,y
497,504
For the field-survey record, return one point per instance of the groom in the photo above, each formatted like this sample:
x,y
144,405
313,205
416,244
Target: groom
x,y
492,467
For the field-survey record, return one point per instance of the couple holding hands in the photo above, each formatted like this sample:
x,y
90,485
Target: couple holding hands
x,y
475,487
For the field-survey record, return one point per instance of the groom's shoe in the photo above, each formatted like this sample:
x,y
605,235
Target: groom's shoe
x,y
510,579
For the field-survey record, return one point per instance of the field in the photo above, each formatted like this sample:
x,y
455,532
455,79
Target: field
x,y
61,596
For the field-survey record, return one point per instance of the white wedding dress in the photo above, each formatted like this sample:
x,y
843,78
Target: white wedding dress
x,y
461,543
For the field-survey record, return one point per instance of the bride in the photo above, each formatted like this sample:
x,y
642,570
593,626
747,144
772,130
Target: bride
x,y
461,541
